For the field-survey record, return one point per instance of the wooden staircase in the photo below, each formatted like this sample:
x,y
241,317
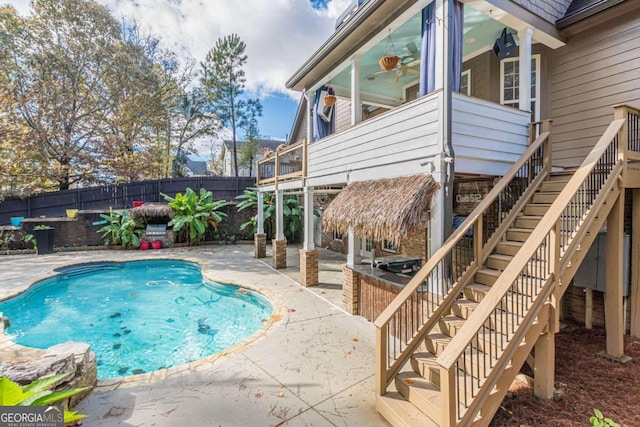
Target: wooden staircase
x,y
454,339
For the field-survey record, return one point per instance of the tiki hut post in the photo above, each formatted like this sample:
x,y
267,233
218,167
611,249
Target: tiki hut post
x,y
353,255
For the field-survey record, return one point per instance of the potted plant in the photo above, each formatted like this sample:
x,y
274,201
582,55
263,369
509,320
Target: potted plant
x,y
72,213
43,235
144,245
156,244
16,220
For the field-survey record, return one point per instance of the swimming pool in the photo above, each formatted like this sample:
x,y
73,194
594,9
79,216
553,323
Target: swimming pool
x,y
138,316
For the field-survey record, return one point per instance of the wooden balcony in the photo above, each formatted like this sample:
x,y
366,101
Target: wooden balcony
x,y
286,169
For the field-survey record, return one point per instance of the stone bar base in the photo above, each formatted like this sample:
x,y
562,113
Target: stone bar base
x,y
260,245
279,253
350,289
308,267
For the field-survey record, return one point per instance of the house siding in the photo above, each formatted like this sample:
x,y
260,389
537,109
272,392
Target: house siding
x,y
300,132
343,114
551,10
596,70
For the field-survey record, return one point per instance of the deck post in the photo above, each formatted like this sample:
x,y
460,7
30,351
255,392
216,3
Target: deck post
x,y
308,255
260,239
613,300
544,367
260,219
280,242
311,99
635,266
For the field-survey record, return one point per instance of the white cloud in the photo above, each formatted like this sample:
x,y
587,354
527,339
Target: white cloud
x,y
280,34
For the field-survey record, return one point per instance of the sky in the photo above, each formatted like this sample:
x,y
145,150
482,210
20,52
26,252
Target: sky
x,y
280,35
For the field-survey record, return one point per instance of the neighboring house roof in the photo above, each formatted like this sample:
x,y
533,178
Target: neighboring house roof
x,y
262,143
581,9
197,167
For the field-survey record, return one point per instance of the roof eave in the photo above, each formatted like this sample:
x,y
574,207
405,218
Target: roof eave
x,y
586,13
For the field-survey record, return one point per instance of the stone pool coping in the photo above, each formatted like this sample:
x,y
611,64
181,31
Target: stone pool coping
x,y
16,353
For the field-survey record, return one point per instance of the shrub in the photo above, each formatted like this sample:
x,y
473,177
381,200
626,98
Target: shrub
x,y
121,229
195,213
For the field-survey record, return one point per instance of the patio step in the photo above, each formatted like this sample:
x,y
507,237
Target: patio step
x,y
401,413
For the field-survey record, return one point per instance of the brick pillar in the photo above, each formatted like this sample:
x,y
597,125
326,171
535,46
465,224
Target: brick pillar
x,y
260,245
350,289
279,253
308,267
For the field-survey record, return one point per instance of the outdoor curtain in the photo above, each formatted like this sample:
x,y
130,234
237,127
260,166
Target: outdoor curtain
x,y
322,128
428,47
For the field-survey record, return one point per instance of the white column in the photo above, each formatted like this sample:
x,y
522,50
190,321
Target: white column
x,y
260,219
308,219
311,99
441,44
356,108
524,37
279,216
353,256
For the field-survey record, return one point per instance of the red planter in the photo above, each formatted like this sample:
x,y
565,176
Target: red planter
x,y
137,203
144,245
156,244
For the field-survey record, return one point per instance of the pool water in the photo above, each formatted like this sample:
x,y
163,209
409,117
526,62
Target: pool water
x,y
138,316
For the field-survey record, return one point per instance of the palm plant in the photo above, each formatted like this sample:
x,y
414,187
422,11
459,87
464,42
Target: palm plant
x,y
195,213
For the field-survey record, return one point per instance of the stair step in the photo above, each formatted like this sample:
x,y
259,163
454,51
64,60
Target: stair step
x,y
536,209
554,185
463,308
527,221
421,392
498,261
436,341
519,234
561,176
476,291
508,247
401,413
544,197
450,325
487,276
425,364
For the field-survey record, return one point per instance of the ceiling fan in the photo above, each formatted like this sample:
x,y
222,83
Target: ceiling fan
x,y
403,68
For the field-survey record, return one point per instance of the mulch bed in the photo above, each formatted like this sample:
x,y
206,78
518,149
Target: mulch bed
x,y
584,380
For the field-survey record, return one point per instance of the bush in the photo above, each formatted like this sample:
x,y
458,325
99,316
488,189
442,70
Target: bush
x,y
195,213
122,229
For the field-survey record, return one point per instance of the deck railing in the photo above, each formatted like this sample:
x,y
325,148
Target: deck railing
x,y
433,290
473,361
287,164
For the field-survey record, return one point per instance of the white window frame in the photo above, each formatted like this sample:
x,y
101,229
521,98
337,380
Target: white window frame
x,y
338,236
389,246
468,74
536,59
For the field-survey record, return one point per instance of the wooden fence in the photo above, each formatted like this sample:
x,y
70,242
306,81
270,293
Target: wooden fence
x,y
118,196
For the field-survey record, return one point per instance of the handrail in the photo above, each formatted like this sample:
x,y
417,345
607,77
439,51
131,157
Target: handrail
x,y
544,238
275,161
459,232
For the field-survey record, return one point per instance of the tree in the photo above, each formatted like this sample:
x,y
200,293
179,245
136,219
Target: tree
x,y
57,63
223,80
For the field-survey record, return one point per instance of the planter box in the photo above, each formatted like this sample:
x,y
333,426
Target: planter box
x,y
44,240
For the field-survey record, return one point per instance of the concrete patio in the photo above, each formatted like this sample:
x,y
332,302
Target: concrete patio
x,y
312,364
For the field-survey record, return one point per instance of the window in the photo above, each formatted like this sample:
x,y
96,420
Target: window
x,y
337,236
465,83
510,84
389,246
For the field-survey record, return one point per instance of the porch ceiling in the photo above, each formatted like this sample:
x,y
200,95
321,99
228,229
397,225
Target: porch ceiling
x,y
480,32
381,209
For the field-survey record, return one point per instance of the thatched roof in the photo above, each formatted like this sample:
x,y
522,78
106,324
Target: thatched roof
x,y
387,208
152,210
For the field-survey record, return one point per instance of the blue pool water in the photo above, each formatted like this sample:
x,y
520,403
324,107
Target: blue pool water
x,y
137,316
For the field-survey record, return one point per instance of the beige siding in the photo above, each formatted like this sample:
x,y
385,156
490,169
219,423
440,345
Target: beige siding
x,y
343,114
300,132
597,69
